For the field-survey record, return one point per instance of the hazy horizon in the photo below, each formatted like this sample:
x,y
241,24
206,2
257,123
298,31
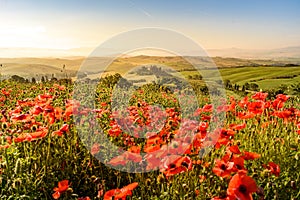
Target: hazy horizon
x,y
287,52
65,25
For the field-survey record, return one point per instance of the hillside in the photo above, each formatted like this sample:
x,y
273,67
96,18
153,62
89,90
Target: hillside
x,y
37,67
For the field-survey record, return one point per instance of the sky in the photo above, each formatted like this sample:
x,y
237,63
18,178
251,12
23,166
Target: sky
x,y
214,24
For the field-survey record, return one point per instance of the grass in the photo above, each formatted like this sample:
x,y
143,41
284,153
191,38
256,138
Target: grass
x,y
32,169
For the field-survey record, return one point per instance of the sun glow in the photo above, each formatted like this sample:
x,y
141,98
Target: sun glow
x,y
31,37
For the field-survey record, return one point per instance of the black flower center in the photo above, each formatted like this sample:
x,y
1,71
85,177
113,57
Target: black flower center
x,y
243,189
223,167
172,165
185,164
238,166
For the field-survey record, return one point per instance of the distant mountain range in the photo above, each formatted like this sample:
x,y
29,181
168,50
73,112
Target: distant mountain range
x,y
277,54
274,54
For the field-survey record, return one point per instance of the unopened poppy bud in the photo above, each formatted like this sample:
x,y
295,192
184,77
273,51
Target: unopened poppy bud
x,y
293,185
18,166
148,181
70,190
160,179
4,126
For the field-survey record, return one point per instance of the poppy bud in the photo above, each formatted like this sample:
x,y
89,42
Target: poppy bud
x,y
293,185
4,126
160,179
70,190
18,166
148,181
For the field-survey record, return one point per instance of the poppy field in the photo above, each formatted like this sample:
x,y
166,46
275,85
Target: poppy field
x,y
44,155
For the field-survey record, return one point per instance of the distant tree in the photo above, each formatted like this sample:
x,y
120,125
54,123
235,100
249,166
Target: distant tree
x,y
247,86
227,84
197,77
43,79
243,88
66,81
236,87
33,80
18,78
254,86
53,79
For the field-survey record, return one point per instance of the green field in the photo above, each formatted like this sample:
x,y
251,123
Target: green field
x,y
265,77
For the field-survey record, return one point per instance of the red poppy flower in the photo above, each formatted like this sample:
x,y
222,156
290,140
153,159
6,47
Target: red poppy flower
x,y
282,97
273,167
241,186
95,148
260,96
4,146
48,109
124,158
61,131
151,148
256,107
115,130
44,96
238,126
153,161
220,198
36,110
238,163
207,108
279,101
6,93
62,187
244,102
120,193
21,118
135,149
175,165
235,149
250,155
58,113
223,168
111,193
21,137
203,126
298,126
40,133
84,198
245,115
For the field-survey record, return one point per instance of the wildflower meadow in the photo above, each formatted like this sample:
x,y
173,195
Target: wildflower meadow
x,y
44,156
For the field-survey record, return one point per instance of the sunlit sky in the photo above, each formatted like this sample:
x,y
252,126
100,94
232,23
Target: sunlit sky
x,y
214,24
